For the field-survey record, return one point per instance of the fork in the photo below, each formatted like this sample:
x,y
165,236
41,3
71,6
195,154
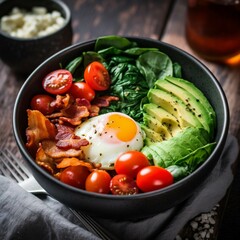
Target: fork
x,y
12,167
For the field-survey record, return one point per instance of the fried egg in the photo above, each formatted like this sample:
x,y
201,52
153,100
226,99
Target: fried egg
x,y
109,135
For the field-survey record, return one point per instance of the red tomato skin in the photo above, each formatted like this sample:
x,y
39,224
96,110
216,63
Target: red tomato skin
x,y
41,102
98,181
75,176
152,178
130,163
57,82
82,90
97,76
121,184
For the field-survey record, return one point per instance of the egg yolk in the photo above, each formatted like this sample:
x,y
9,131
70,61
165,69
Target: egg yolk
x,y
124,128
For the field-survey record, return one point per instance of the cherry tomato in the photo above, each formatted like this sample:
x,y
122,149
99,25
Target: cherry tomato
x,y
97,76
98,181
57,82
122,184
82,90
41,102
130,163
152,178
75,176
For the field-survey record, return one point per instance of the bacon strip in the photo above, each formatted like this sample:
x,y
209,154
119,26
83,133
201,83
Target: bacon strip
x,y
45,161
104,101
39,128
67,162
51,149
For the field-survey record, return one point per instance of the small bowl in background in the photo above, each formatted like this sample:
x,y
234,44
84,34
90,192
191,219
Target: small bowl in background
x,y
23,55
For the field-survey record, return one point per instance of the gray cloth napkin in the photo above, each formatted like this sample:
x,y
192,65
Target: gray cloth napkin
x,y
25,216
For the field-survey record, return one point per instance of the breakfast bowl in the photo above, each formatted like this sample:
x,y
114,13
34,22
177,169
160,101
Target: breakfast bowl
x,y
145,203
32,31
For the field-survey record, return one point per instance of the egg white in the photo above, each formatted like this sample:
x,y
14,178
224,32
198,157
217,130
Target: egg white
x,y
104,147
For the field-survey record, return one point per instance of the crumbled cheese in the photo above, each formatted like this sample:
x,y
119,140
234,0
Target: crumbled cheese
x,y
22,24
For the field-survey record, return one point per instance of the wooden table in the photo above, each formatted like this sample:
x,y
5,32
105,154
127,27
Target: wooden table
x,y
163,20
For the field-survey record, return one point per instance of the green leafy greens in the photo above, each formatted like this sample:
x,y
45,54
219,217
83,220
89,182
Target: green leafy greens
x,y
133,71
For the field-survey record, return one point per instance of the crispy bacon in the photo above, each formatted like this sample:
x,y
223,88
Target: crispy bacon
x,y
45,161
67,138
67,162
74,114
62,101
64,132
94,110
75,143
39,128
51,149
83,102
104,101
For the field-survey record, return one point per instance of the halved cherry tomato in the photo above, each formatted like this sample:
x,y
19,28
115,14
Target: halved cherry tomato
x,y
75,176
122,184
98,181
153,177
82,90
130,163
97,76
41,102
58,81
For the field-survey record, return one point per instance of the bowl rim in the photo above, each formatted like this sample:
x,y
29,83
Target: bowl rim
x,y
67,18
220,144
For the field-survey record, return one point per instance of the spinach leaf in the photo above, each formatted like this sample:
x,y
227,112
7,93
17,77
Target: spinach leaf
x,y
91,56
73,65
129,85
177,70
154,65
113,41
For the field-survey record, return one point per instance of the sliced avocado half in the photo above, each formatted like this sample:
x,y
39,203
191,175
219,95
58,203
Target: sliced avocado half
x,y
175,106
155,125
164,117
190,101
200,97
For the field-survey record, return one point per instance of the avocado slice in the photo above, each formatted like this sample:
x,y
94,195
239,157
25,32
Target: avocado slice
x,y
153,156
183,143
183,149
190,87
164,117
162,157
156,126
151,134
175,106
194,105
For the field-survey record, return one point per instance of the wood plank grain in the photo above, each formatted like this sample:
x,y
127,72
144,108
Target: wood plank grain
x,y
136,18
9,87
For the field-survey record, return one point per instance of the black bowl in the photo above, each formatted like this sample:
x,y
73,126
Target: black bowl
x,y
24,55
134,206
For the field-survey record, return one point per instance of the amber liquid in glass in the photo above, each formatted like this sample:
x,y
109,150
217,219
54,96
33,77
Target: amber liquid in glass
x,y
213,29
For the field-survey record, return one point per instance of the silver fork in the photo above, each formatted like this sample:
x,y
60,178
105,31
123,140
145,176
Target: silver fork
x,y
12,167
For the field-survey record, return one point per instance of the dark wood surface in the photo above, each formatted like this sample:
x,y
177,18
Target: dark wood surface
x,y
157,19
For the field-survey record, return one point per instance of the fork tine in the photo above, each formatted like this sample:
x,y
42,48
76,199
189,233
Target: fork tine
x,y
19,165
9,167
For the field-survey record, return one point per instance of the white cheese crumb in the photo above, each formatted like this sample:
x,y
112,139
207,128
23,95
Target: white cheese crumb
x,y
37,23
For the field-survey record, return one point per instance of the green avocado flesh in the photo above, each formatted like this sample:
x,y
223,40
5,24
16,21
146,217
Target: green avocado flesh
x,y
179,124
188,148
